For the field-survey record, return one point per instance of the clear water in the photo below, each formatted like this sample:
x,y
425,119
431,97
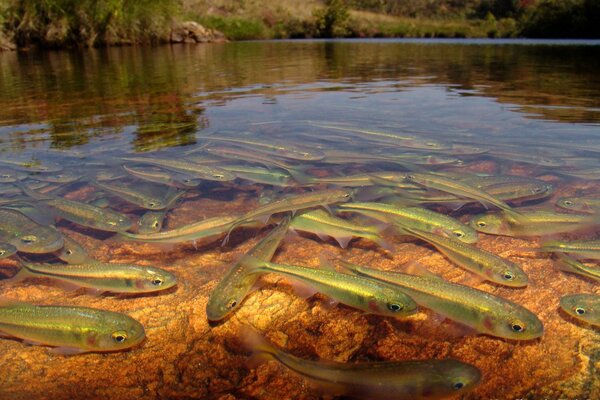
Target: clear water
x,y
519,108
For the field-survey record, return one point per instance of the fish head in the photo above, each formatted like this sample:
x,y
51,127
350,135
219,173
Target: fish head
x,y
580,306
154,279
154,204
509,274
7,250
227,297
516,325
465,234
394,303
453,378
150,223
117,332
490,223
39,240
572,203
188,182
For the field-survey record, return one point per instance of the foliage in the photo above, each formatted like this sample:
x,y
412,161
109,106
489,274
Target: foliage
x,y
87,22
236,28
563,18
332,21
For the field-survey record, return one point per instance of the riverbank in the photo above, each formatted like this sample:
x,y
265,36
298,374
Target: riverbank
x,y
71,23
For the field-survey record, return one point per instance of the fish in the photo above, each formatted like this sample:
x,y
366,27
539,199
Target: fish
x,y
239,279
458,188
587,249
31,165
151,222
535,223
7,250
59,177
273,147
482,311
148,196
423,379
581,204
487,265
261,175
417,217
584,307
568,264
72,252
200,171
84,214
9,175
26,235
71,329
179,180
208,228
323,224
102,277
368,295
293,202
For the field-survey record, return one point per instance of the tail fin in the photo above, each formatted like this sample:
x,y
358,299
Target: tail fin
x,y
262,350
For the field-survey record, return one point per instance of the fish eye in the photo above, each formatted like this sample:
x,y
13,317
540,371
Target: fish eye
x,y
152,204
119,336
231,304
69,252
481,224
112,223
430,144
29,239
410,177
347,195
395,307
157,281
580,310
568,203
458,385
459,234
155,224
509,276
218,176
6,176
2,252
517,326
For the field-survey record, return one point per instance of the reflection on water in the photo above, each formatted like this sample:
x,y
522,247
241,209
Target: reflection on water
x,y
475,161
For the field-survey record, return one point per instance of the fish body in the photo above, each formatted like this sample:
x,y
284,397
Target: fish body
x,y
84,214
584,307
77,328
204,229
198,170
261,175
588,249
149,196
26,235
568,264
323,224
483,263
171,178
239,279
115,278
479,310
581,204
365,294
424,379
532,223
417,217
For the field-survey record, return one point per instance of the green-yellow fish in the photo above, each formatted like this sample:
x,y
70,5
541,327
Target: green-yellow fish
x,y
487,265
26,235
533,223
71,329
480,310
417,217
365,294
231,290
103,277
323,224
584,307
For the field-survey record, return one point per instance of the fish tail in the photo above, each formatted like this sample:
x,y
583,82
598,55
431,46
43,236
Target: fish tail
x,y
262,350
566,263
301,176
